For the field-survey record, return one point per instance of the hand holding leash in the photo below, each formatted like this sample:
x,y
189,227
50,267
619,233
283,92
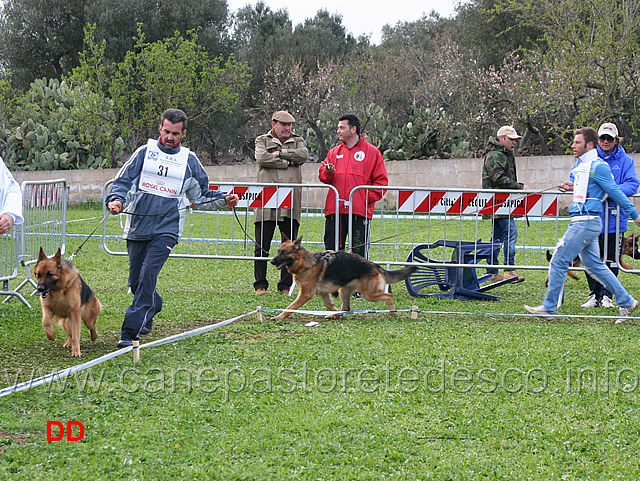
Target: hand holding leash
x,y
115,206
232,200
566,186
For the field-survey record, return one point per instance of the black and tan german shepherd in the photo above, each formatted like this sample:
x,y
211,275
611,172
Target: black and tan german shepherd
x,y
577,262
629,248
66,300
324,273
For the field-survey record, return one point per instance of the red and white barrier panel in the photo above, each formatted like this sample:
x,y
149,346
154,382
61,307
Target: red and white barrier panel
x,y
42,195
261,197
477,203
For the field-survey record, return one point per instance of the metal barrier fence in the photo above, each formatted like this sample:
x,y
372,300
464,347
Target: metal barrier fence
x,y
44,207
227,234
404,218
410,216
9,258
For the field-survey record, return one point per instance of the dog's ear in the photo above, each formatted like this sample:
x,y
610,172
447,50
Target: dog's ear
x,y
57,256
284,237
298,240
42,256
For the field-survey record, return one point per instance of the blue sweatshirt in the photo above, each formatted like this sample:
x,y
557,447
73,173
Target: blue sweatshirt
x,y
162,215
600,183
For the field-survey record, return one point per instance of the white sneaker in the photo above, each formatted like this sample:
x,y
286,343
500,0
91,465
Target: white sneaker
x,y
539,311
627,311
591,302
607,302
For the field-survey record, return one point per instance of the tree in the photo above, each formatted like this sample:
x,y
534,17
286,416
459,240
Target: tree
x,y
589,59
118,20
262,37
175,72
321,39
489,35
40,38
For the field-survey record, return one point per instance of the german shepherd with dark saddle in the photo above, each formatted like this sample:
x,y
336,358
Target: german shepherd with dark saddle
x,y
66,299
324,273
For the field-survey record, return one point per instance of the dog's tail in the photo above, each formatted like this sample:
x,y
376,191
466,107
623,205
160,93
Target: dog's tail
x,y
398,275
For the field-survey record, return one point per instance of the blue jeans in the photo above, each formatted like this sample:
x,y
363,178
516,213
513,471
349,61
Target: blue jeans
x,y
505,231
581,238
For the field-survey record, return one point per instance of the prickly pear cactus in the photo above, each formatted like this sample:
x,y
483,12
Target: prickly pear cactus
x,y
58,127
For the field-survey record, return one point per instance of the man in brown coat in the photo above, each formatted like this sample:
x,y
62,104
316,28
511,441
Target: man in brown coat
x,y
280,154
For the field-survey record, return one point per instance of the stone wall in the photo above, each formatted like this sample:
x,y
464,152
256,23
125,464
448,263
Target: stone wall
x,y
537,172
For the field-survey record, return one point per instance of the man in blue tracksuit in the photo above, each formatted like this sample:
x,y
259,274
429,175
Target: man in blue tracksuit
x,y
623,169
156,185
592,182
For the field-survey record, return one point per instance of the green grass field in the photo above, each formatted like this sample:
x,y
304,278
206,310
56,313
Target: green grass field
x,y
460,396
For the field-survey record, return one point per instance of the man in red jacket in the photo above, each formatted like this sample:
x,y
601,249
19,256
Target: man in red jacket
x,y
353,163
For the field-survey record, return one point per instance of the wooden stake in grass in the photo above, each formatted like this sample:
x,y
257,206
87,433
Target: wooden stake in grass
x,y
136,351
414,312
259,313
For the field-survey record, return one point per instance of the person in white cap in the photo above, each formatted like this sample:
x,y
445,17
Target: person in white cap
x,y
499,172
623,169
280,154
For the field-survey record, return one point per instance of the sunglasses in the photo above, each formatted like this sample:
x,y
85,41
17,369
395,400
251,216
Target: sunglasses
x,y
606,138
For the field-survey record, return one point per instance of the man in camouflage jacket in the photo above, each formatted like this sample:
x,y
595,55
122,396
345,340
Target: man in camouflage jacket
x,y
499,172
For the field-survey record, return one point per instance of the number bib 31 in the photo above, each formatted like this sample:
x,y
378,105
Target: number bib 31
x,y
163,174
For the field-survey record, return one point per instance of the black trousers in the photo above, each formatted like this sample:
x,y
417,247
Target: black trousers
x,y
360,229
613,242
146,259
264,235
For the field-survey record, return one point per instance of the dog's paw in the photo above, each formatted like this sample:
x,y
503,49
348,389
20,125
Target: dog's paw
x,y
277,318
332,316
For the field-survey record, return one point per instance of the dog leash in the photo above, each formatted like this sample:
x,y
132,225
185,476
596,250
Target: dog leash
x,y
262,249
70,258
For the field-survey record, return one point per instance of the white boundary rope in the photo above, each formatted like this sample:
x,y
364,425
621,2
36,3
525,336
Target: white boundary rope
x,y
335,313
48,378
466,313
55,376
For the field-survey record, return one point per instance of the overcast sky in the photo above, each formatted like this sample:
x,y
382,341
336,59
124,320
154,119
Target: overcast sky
x,y
358,16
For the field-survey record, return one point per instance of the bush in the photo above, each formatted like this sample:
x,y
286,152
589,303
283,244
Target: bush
x,y
59,127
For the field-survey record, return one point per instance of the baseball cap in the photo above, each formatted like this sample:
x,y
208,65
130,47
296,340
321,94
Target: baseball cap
x,y
608,129
509,132
284,117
